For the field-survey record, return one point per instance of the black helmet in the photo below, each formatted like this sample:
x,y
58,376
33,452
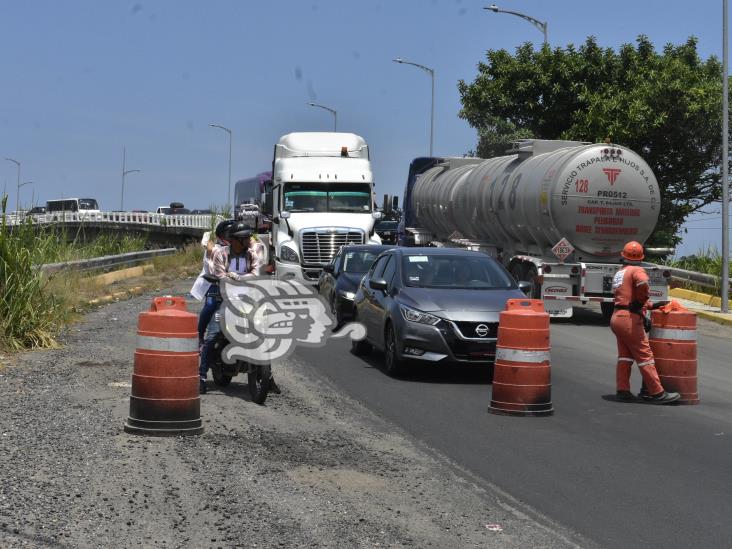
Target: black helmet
x,y
241,230
224,229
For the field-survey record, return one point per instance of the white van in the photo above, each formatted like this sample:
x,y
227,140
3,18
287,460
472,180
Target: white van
x,y
87,208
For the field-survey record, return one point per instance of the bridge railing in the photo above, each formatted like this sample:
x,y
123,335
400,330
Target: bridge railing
x,y
202,221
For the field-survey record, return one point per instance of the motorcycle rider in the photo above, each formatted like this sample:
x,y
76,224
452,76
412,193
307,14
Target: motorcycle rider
x,y
243,262
631,289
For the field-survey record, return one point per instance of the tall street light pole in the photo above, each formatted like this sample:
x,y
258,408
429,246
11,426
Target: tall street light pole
x,y
332,111
17,164
228,196
124,174
18,192
541,25
725,158
431,72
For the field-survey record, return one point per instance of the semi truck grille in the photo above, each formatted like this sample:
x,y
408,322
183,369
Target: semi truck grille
x,y
319,247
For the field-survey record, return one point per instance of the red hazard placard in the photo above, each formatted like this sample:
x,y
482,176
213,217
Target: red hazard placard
x,y
562,249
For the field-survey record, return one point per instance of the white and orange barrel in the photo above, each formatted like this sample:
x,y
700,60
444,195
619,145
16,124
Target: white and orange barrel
x,y
522,371
673,342
165,398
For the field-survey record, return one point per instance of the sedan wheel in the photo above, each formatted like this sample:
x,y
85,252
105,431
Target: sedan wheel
x,y
336,311
394,365
360,347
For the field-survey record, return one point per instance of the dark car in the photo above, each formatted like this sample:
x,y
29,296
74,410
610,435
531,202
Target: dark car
x,y
37,210
339,279
435,305
387,230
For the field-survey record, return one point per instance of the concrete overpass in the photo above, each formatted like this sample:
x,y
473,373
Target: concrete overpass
x,y
160,230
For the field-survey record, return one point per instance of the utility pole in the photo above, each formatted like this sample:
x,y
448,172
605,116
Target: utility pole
x,y
541,25
228,196
124,174
725,158
431,72
332,111
17,193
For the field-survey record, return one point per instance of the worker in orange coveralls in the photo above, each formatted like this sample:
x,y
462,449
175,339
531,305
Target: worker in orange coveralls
x,y
631,290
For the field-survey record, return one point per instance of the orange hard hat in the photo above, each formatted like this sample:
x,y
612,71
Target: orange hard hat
x,y
633,251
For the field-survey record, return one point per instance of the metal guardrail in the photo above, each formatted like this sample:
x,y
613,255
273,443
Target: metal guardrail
x,y
134,218
106,261
702,279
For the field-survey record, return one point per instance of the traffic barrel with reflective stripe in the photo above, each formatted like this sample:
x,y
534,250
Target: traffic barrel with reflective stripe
x,y
673,342
522,371
164,398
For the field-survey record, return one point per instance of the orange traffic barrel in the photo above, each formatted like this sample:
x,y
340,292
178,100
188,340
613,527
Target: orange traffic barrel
x,y
164,398
673,342
522,372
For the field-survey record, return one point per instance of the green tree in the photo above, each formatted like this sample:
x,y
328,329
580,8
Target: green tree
x,y
665,106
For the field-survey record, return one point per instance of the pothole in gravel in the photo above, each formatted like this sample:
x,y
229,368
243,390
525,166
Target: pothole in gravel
x,y
338,479
93,364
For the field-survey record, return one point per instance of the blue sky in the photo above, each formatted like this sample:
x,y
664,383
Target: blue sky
x,y
80,79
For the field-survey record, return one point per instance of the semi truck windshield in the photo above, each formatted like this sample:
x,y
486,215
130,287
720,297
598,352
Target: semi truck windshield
x,y
328,197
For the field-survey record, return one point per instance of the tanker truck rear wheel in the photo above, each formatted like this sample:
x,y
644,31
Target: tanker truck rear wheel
x,y
526,272
530,275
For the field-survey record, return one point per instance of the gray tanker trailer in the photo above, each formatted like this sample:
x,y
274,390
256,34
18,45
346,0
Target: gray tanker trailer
x,y
557,214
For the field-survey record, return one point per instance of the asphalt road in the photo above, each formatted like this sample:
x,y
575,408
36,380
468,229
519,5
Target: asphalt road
x,y
621,475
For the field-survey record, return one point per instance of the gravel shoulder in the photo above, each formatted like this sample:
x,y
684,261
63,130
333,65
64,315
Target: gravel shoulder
x,y
311,468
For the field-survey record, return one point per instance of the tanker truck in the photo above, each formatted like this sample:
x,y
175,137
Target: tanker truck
x,y
555,213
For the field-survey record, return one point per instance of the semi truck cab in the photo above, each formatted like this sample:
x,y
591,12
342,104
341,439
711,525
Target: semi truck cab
x,y
321,199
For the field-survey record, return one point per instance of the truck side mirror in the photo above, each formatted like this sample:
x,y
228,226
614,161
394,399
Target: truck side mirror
x,y
284,214
524,286
376,215
268,198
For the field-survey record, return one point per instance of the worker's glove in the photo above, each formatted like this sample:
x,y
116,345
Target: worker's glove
x,y
647,325
232,275
659,304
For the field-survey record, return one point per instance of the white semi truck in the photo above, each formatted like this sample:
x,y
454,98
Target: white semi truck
x,y
556,213
321,198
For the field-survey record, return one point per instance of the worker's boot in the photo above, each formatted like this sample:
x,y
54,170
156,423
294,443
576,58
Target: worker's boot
x,y
624,396
662,398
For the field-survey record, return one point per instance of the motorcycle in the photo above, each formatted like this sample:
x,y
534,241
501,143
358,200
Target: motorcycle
x,y
258,375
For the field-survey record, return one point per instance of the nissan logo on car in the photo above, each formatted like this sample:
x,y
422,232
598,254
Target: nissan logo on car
x,y
481,330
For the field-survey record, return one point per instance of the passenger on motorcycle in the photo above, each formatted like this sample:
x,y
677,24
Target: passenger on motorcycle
x,y
217,263
203,288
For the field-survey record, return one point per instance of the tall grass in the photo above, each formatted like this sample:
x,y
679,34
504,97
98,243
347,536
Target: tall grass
x,y
29,316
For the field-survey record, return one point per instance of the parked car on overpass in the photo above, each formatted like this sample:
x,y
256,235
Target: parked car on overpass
x,y
340,278
434,305
175,208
